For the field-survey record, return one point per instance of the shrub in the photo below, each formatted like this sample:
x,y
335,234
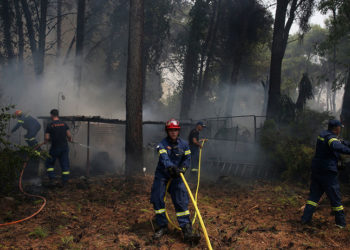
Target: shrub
x,y
290,147
12,156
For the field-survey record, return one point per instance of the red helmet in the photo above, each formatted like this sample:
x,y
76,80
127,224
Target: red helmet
x,y
18,112
172,124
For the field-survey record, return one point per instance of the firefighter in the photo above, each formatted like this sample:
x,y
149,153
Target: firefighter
x,y
58,132
174,158
30,124
195,145
324,173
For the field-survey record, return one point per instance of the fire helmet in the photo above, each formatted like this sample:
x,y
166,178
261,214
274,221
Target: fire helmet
x,y
18,112
172,124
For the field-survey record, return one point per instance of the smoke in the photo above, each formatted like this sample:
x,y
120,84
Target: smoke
x,y
38,96
244,98
97,96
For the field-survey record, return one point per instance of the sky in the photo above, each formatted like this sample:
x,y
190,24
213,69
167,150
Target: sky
x,y
317,18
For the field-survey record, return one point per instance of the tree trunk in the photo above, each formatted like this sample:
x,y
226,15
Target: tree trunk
x,y
191,67
204,86
279,44
328,96
79,42
42,36
207,44
31,34
58,29
6,19
237,59
334,64
19,28
345,113
134,91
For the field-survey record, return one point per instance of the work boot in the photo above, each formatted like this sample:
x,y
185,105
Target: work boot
x,y
340,226
189,236
160,232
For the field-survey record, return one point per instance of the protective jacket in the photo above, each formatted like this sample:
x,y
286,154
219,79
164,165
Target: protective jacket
x,y
31,125
28,123
171,155
328,150
324,176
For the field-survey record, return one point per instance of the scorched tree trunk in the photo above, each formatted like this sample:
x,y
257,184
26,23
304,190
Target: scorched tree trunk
x,y
134,91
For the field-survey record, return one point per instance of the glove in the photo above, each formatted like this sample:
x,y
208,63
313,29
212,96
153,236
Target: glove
x,y
175,171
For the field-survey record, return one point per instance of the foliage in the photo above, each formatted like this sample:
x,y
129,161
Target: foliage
x,y
340,25
303,56
67,241
290,147
305,92
39,233
12,156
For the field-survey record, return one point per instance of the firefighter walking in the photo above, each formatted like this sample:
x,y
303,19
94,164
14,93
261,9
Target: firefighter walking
x,y
30,124
57,132
174,158
324,174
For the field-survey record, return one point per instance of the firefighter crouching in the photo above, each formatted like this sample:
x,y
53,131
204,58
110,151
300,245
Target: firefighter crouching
x,y
174,158
30,124
324,173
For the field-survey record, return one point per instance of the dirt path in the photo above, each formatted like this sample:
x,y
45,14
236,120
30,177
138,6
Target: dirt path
x,y
110,213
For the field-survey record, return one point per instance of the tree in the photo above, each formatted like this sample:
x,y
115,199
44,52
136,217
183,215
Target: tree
x,y
134,91
79,42
31,35
7,20
339,30
223,34
286,12
345,113
197,24
305,92
19,28
42,36
305,56
59,29
247,26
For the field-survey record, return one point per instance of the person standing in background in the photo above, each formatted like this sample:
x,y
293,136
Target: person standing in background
x,y
195,146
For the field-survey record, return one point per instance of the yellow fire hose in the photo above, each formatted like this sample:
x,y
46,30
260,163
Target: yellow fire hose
x,y
194,201
197,211
198,179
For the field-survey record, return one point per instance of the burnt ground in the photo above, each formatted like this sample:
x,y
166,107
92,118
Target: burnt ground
x,y
111,213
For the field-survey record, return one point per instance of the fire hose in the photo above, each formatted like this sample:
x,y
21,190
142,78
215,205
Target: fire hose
x,y
194,201
25,193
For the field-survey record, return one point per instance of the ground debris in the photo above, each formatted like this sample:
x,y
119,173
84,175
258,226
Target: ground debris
x,y
110,212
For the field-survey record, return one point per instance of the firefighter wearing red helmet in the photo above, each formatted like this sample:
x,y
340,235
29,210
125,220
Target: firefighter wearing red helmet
x,y
174,158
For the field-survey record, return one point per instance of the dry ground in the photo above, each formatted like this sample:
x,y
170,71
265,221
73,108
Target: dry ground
x,y
110,213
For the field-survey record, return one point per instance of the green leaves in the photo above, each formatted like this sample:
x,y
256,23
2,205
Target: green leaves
x,y
12,156
290,147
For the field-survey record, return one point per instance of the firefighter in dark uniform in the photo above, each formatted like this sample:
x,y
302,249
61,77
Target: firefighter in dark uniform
x,y
174,158
195,146
324,173
58,132
30,124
